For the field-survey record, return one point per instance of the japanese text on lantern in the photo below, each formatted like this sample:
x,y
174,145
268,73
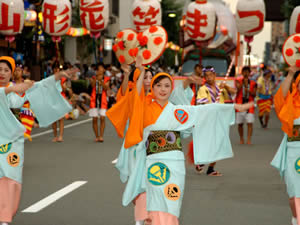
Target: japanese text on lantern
x,y
298,24
258,14
199,20
49,15
96,23
148,18
5,14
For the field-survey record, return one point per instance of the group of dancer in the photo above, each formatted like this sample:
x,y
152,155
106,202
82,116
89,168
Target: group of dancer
x,y
151,160
152,114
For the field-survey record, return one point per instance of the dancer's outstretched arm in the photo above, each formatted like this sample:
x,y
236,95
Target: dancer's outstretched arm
x,y
286,84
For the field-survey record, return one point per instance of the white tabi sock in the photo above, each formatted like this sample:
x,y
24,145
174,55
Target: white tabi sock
x,y
141,222
294,221
4,223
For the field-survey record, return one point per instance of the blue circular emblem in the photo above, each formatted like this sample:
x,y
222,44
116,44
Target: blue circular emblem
x,y
5,148
158,174
297,165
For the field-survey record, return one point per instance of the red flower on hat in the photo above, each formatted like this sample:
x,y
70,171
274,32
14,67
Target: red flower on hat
x,y
143,40
298,63
115,47
130,37
121,45
146,54
296,39
158,40
121,59
153,29
289,52
120,34
133,52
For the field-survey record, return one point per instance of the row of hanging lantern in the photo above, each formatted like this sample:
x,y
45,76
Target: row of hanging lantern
x,y
94,15
57,16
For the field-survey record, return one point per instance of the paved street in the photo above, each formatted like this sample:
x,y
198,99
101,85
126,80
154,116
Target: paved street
x,y
250,192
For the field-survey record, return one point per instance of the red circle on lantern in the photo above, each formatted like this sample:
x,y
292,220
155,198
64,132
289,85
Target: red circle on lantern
x,y
121,59
298,63
115,48
130,37
120,34
153,29
289,52
146,54
121,45
158,40
133,52
296,39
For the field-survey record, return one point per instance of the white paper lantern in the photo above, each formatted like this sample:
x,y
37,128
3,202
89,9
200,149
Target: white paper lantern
x,y
250,16
57,17
145,13
11,17
201,20
94,14
295,21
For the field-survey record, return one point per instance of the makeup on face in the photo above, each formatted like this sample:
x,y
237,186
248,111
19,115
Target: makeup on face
x,y
147,80
5,73
162,90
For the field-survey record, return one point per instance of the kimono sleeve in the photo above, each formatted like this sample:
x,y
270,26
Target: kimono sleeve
x,y
119,114
211,135
15,101
181,96
285,111
134,134
10,128
46,102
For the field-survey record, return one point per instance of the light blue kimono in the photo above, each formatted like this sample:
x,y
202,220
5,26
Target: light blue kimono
x,y
210,127
47,104
287,161
126,158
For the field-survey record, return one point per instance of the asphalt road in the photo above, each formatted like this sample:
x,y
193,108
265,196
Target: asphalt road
x,y
250,192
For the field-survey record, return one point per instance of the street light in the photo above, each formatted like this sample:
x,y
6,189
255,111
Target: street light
x,y
171,14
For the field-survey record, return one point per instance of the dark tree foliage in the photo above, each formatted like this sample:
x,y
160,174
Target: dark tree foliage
x,y
171,24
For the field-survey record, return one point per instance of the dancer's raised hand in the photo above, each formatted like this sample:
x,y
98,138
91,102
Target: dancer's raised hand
x,y
20,88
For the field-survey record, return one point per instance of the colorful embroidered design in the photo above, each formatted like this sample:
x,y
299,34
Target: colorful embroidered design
x,y
13,159
5,148
181,115
178,142
172,192
163,141
171,137
297,165
158,174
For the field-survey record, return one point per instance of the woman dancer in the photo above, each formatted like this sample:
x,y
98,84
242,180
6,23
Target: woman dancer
x,y
287,159
41,97
154,130
120,115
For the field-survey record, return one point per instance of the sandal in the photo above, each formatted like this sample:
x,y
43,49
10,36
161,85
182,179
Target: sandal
x,y
199,168
215,174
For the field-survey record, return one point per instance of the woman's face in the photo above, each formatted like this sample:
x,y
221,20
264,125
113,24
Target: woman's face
x,y
5,74
147,80
162,90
